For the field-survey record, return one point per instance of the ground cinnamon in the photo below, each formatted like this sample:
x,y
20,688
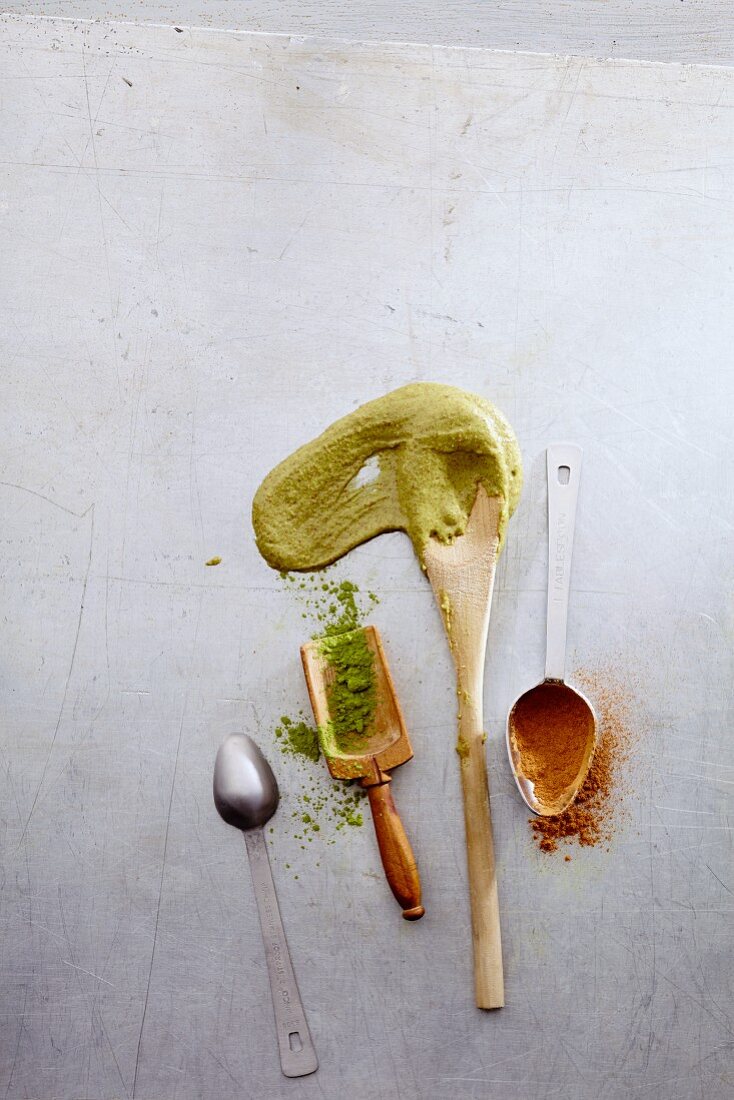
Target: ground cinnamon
x,y
552,730
598,808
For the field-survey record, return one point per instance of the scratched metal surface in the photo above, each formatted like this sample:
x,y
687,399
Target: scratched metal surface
x,y
701,32
212,246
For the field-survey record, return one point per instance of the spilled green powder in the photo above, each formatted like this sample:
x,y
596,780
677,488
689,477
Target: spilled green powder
x,y
318,804
297,738
333,606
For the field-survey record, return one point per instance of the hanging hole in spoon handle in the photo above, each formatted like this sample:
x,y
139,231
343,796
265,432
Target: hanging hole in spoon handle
x,y
564,475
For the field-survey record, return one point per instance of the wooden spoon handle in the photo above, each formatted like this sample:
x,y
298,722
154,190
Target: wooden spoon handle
x,y
398,860
485,914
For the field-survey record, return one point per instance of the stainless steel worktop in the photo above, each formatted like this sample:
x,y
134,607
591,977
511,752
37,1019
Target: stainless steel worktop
x,y
213,245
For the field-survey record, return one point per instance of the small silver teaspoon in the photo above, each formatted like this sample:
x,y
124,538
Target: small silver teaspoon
x,y
246,796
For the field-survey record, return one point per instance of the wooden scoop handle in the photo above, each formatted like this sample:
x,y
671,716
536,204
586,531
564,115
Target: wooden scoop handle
x,y
398,860
485,913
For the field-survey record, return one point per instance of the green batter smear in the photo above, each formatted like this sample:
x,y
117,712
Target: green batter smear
x,y
409,461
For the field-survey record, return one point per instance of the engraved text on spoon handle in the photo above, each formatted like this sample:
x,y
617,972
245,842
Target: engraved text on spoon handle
x,y
297,1054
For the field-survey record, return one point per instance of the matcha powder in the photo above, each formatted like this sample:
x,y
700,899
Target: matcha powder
x,y
337,609
351,693
319,805
297,738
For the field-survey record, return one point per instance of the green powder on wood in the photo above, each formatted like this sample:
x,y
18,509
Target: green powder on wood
x,y
351,694
338,610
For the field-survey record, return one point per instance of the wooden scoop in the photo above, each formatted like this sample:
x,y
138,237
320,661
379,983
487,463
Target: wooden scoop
x,y
385,746
462,577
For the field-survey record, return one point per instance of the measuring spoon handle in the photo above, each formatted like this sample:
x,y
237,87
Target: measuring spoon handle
x,y
297,1054
564,475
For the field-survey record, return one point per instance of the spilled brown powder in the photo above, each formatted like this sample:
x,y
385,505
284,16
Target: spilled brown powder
x,y
599,806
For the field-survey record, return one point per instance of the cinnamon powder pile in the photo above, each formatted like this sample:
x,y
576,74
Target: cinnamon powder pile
x,y
598,808
551,729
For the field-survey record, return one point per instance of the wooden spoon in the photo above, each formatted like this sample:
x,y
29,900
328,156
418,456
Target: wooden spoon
x,y
383,746
462,577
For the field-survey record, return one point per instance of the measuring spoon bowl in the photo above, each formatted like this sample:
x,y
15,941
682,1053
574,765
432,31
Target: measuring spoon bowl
x,y
549,778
